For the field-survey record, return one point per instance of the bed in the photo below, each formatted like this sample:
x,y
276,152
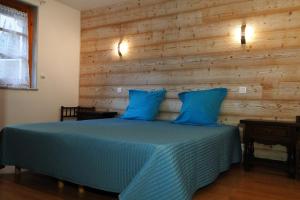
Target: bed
x,y
138,159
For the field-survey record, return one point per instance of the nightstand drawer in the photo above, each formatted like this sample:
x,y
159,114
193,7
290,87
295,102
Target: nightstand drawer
x,y
267,131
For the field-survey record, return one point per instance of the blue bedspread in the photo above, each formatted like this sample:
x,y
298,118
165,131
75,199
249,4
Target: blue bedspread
x,y
140,160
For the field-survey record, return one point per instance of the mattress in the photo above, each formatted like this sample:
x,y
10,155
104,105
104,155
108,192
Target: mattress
x,y
142,160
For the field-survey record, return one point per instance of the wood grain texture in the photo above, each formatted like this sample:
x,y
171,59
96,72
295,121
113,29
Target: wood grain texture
x,y
189,44
236,184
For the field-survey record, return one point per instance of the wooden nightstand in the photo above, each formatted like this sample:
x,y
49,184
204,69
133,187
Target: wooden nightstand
x,y
298,150
86,115
270,133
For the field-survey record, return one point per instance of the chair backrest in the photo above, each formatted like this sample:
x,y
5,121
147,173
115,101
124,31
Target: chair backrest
x,y
72,112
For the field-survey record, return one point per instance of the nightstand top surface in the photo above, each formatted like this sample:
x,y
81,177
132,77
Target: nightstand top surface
x,y
269,122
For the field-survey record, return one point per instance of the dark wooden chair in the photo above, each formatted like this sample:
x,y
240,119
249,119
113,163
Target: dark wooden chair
x,y
72,112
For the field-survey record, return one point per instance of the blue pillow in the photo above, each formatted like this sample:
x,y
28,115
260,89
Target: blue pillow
x,y
144,105
201,107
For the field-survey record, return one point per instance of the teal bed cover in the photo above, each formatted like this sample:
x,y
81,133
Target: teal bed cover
x,y
140,160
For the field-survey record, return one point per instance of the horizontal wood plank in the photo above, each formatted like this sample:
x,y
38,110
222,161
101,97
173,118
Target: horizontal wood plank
x,y
263,74
245,59
159,10
254,90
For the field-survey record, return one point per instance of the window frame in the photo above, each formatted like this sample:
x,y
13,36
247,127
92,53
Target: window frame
x,y
23,7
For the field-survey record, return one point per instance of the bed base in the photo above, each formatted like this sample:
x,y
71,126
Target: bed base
x,y
81,190
60,183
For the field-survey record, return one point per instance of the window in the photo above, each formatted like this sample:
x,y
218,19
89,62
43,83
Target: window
x,y
16,44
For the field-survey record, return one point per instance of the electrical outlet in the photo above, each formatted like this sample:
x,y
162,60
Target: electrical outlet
x,y
242,90
119,89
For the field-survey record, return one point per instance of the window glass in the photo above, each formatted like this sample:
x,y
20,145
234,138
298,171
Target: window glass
x,y
14,59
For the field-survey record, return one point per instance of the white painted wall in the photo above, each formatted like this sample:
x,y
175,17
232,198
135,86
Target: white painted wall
x,y
57,59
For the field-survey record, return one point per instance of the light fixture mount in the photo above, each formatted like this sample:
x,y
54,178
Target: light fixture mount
x,y
119,48
243,34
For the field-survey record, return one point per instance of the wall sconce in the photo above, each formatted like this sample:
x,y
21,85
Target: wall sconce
x,y
122,48
244,34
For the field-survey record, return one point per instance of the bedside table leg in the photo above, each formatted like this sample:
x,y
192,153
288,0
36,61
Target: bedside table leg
x,y
291,162
246,157
251,151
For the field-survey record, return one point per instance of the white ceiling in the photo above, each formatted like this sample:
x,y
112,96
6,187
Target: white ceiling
x,y
89,4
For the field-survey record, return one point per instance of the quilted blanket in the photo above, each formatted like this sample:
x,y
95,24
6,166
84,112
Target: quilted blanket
x,y
140,160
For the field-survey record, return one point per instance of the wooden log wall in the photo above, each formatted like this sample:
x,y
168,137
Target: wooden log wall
x,y
191,44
